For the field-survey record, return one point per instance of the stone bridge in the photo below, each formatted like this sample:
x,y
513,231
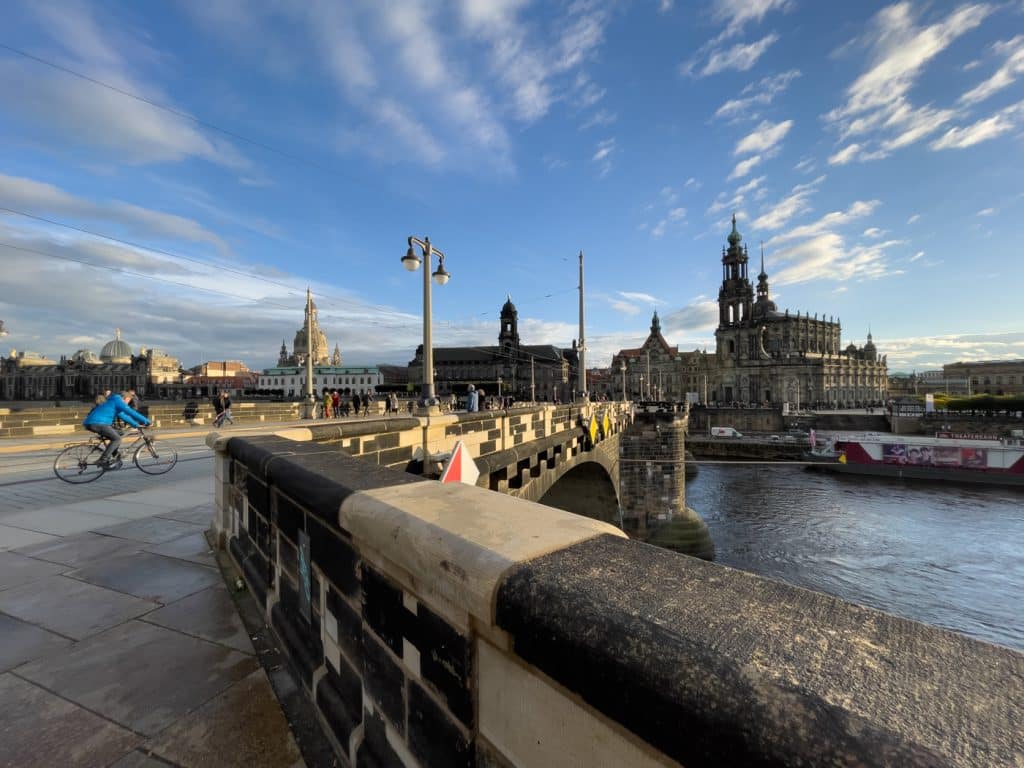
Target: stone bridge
x,y
445,625
563,456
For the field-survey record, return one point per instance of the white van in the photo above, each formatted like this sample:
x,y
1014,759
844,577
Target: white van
x,y
724,432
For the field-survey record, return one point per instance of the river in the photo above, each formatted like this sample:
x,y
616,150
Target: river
x,y
947,555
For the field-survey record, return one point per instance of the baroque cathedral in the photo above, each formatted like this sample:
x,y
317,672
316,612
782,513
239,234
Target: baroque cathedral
x,y
762,355
301,348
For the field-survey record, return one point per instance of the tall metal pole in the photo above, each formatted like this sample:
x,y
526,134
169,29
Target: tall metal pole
x,y
428,351
583,345
648,397
533,383
310,399
625,396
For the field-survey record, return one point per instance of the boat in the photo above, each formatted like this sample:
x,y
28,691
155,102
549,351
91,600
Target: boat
x,y
961,459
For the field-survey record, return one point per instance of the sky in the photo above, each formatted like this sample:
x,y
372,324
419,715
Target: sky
x,y
184,170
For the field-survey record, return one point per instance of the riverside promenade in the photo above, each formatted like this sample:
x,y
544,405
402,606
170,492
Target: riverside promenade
x,y
121,644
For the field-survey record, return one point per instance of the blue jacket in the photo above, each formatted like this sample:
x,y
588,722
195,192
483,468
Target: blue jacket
x,y
104,413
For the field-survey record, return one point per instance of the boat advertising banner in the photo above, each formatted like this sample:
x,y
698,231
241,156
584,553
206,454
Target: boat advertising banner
x,y
940,455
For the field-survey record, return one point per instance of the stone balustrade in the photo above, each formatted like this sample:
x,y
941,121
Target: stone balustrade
x,y
447,625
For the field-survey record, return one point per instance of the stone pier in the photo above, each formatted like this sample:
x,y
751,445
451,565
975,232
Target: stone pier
x,y
652,483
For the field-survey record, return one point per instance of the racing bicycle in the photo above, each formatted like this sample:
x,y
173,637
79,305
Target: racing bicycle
x,y
80,462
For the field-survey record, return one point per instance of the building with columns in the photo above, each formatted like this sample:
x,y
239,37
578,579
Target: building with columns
x,y
762,355
30,376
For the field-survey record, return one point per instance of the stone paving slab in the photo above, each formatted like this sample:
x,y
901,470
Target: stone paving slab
x,y
152,530
200,515
149,576
139,759
59,521
79,550
246,724
141,676
192,547
169,499
17,569
41,730
209,614
70,607
13,538
23,642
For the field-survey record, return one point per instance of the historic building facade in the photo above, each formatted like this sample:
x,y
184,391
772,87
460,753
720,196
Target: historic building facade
x,y
30,376
989,377
762,355
289,375
524,371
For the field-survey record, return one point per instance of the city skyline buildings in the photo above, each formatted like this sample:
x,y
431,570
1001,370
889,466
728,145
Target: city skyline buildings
x,y
875,150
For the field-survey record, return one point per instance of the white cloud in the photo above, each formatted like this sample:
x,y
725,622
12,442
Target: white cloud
x,y
806,165
917,256
857,210
1013,51
913,218
677,214
603,156
82,113
664,6
41,199
692,183
735,14
873,232
877,107
737,57
636,296
764,138
600,118
795,204
845,155
744,167
985,129
760,93
700,315
751,185
987,212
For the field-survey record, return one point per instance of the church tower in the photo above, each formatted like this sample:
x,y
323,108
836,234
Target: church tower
x,y
736,296
764,303
508,339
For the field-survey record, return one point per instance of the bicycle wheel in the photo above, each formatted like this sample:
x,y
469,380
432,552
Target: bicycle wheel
x,y
79,463
155,459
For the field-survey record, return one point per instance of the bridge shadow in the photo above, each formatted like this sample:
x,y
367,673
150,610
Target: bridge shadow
x,y
585,490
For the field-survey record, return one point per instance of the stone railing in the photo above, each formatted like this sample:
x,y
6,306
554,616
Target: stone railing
x,y
439,625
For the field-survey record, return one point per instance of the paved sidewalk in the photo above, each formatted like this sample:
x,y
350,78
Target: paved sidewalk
x,y
121,646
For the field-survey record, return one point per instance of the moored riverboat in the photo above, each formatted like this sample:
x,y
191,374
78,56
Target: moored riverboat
x,y
963,460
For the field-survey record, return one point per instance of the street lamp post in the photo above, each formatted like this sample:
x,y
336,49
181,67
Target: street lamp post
x,y
441,276
622,368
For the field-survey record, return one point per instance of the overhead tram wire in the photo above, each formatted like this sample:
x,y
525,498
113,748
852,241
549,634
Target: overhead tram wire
x,y
291,289
177,112
123,271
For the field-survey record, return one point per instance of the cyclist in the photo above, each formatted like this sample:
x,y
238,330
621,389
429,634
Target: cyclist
x,y
101,421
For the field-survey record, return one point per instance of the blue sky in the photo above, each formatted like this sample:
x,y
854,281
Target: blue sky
x,y
874,148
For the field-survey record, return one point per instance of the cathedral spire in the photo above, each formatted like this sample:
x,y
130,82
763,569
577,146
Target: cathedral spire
x,y
655,323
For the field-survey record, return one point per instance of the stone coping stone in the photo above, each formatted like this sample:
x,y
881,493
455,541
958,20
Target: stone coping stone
x,y
322,478
714,666
458,540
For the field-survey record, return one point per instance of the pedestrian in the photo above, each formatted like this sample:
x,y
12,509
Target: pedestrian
x,y
225,400
335,403
366,404
453,402
481,399
387,404
328,403
355,403
472,403
394,402
190,412
218,406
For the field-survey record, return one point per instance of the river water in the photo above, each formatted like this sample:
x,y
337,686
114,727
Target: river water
x,y
947,555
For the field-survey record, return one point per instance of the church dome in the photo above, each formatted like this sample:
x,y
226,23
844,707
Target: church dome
x,y
508,308
116,350
86,356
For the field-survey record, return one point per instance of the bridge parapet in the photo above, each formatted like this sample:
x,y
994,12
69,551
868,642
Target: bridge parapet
x,y
446,625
